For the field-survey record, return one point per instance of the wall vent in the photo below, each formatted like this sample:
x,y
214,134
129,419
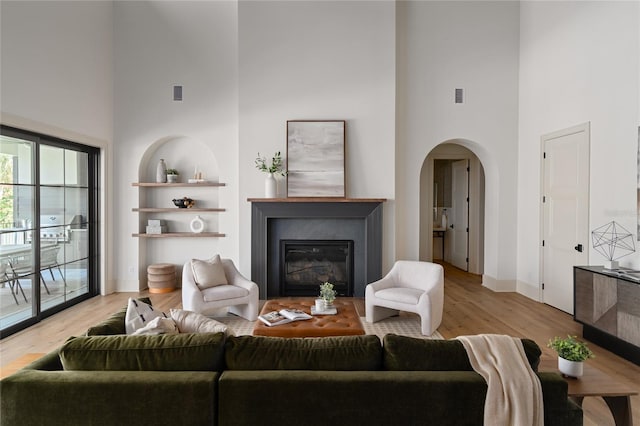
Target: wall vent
x,y
177,93
459,97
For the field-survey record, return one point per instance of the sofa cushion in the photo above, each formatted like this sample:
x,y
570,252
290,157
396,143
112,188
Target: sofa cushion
x,y
139,314
165,352
409,353
208,273
115,323
345,353
193,322
223,292
158,325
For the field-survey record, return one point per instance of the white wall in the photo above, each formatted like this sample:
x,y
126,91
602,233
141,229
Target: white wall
x,y
56,65
389,70
159,44
474,46
56,78
318,60
579,63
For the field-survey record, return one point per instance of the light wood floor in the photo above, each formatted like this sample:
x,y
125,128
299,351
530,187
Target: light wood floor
x,y
469,308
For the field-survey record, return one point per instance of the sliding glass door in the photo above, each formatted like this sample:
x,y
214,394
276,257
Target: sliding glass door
x,y
48,226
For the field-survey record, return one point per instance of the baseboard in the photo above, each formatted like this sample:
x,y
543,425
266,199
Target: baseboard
x,y
123,286
528,290
498,285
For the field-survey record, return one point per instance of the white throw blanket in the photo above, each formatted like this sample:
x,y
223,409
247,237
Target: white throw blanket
x,y
514,393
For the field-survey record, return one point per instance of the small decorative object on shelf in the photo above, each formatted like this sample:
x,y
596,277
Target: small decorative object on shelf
x,y
610,238
161,172
270,183
156,226
172,175
184,203
198,177
571,354
197,225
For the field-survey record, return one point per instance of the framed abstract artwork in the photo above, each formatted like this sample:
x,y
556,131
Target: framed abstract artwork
x,y
316,158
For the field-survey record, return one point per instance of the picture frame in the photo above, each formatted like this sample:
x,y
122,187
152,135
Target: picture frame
x,y
316,158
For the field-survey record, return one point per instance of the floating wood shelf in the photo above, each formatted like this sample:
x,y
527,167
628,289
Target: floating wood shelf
x,y
181,235
154,185
175,210
316,200
179,184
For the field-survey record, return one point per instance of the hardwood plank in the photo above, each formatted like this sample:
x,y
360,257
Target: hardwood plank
x,y
17,364
469,308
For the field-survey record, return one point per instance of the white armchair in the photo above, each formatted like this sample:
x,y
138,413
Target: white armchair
x,y
240,295
410,286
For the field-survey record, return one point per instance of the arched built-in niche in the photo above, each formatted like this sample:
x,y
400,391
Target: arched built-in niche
x,y
456,149
182,153
189,156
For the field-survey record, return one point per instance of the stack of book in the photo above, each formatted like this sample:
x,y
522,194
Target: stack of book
x,y
283,316
156,226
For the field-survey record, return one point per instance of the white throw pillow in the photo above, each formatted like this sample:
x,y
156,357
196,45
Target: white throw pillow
x,y
208,273
192,322
158,325
139,314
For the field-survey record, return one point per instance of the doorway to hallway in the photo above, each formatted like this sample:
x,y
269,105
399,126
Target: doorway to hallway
x,y
452,208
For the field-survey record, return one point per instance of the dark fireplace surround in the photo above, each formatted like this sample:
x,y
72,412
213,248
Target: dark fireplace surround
x,y
357,221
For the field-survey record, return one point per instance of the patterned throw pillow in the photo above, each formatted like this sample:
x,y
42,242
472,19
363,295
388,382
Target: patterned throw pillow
x,y
158,325
208,273
139,314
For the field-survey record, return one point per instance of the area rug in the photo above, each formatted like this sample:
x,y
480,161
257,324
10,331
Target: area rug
x,y
403,325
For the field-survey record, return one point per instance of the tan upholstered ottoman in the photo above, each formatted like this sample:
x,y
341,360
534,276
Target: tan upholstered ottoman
x,y
345,323
161,278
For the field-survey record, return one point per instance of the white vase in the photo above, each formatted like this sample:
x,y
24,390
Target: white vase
x,y
570,368
270,186
197,225
321,305
161,172
172,178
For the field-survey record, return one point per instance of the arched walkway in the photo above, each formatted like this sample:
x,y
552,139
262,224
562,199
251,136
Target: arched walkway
x,y
436,175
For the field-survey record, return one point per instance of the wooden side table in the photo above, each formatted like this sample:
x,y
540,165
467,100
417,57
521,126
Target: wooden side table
x,y
595,382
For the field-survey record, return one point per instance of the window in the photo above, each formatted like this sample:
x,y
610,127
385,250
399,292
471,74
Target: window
x,y
48,226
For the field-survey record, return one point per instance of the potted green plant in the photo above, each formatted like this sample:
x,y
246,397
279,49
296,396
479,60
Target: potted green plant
x,y
172,175
276,167
571,354
327,294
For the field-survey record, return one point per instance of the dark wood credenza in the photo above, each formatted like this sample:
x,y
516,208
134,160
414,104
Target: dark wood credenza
x,y
607,304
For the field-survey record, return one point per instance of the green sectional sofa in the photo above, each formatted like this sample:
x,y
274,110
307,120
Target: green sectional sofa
x,y
212,379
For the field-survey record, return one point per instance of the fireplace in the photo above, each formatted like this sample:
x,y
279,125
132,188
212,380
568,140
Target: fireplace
x,y
330,219
305,264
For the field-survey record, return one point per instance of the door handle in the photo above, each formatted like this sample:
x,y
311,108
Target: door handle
x,y
578,248
451,226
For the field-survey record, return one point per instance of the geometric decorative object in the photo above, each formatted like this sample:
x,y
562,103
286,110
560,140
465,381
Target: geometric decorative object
x,y
316,158
613,241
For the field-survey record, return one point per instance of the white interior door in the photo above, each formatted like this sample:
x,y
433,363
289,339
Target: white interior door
x,y
565,212
459,228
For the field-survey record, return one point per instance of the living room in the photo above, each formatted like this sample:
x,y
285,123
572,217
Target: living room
x,y
102,74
